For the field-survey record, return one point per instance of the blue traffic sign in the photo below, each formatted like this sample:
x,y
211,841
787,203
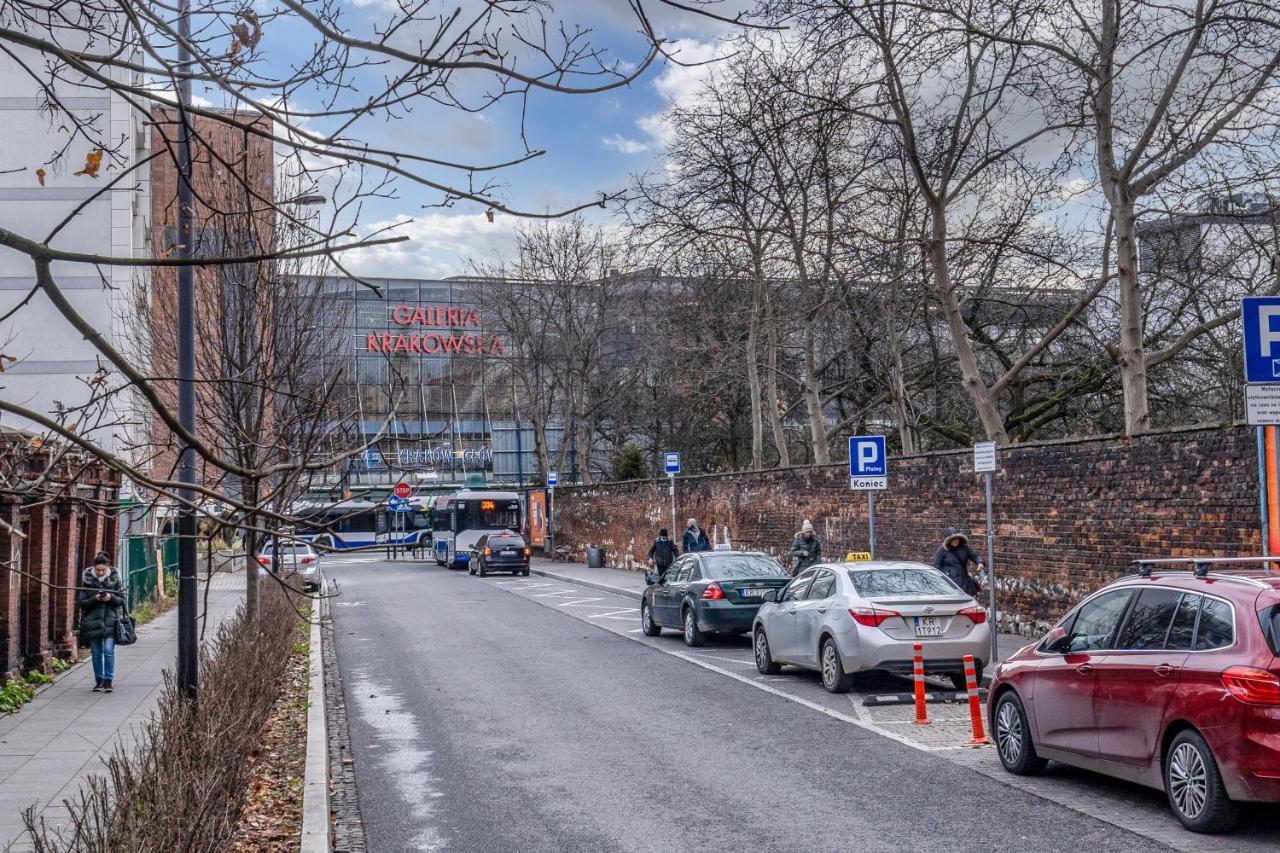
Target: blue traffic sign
x,y
671,461
867,456
1261,318
396,504
552,479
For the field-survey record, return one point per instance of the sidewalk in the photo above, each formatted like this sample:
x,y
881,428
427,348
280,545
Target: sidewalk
x,y
49,747
631,584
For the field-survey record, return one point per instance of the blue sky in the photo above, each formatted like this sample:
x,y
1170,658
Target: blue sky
x,y
594,143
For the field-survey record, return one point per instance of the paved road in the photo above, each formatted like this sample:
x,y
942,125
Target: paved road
x,y
526,714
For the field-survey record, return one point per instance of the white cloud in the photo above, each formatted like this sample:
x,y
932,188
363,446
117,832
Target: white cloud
x,y
622,144
439,245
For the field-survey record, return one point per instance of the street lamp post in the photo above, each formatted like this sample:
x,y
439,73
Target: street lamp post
x,y
188,669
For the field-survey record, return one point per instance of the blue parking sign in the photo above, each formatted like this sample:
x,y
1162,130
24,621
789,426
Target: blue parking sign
x,y
1261,318
868,464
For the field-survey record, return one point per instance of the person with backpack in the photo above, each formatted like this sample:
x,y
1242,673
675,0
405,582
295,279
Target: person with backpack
x,y
100,599
695,538
953,559
662,553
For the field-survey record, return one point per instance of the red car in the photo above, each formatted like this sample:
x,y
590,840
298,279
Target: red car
x,y
1168,678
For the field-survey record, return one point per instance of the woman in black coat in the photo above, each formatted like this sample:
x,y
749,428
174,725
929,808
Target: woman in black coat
x,y
100,599
953,560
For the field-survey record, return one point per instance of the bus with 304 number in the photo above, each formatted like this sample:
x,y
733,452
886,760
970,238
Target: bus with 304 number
x,y
460,519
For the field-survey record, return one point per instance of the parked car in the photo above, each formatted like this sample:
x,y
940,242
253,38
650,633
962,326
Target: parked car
x,y
501,551
1170,680
298,557
709,592
844,618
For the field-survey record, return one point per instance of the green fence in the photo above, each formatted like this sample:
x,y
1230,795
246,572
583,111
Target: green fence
x,y
140,552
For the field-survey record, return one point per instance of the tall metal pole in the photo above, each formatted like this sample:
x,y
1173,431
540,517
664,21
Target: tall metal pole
x,y
991,575
188,669
672,479
871,522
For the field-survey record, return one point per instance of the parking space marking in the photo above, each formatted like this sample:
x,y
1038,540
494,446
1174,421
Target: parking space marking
x,y
586,601
730,660
614,614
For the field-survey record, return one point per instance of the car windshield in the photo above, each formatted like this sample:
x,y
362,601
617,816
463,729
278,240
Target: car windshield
x,y
741,567
505,542
287,549
878,583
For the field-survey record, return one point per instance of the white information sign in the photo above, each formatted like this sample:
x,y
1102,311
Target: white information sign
x,y
984,457
1262,404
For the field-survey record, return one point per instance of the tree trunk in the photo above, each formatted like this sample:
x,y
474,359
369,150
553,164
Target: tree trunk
x,y
1132,355
251,554
898,391
771,384
985,406
583,447
813,401
753,386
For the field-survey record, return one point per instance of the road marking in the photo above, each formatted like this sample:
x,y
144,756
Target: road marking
x,y
614,614
580,603
730,660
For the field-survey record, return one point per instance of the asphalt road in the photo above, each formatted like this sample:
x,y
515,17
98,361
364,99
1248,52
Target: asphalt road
x,y
484,720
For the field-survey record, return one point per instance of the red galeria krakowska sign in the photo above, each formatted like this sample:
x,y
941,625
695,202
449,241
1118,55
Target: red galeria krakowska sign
x,y
459,332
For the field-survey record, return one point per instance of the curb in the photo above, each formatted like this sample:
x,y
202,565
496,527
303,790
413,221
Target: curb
x,y
602,587
315,785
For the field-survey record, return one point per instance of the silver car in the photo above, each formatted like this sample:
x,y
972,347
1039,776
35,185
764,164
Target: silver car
x,y
845,618
300,557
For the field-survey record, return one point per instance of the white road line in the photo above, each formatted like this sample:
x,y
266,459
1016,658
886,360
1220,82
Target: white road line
x,y
613,614
580,603
730,660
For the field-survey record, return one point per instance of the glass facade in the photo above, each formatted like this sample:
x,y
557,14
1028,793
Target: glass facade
x,y
420,370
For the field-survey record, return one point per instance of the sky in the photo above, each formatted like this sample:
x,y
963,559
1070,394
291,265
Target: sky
x,y
594,143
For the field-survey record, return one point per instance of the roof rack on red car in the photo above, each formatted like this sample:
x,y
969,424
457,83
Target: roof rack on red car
x,y
1200,565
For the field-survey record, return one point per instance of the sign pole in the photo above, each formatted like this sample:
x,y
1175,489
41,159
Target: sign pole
x,y
991,573
871,522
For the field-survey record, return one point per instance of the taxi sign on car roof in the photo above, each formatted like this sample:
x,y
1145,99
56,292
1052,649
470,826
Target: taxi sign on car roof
x,y
858,557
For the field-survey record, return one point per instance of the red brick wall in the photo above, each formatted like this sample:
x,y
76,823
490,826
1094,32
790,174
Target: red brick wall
x,y
1069,515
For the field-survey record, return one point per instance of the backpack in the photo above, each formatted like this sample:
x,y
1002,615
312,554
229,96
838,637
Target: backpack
x,y
664,552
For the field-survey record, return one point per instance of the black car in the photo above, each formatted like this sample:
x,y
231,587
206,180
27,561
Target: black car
x,y
711,592
504,551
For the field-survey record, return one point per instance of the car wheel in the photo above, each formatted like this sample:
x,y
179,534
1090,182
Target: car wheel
x,y
481,570
1196,793
834,678
959,681
1013,738
692,636
764,658
650,628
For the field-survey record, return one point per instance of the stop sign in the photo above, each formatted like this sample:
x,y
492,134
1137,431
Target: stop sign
x,y
402,490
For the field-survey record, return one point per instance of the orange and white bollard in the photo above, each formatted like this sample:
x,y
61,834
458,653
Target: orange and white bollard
x,y
917,668
975,706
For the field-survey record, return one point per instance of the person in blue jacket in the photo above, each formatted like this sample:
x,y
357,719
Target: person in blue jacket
x,y
695,538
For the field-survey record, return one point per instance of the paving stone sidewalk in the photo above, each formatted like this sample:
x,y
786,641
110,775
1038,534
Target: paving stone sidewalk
x,y
58,739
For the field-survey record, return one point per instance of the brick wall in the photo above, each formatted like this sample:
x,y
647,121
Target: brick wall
x,y
1069,515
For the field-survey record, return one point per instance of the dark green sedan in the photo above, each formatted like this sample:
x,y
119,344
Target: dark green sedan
x,y
710,592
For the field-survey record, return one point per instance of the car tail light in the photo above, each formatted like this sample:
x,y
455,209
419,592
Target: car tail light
x,y
1253,685
488,552
528,551
872,617
976,615
264,561
713,592
306,561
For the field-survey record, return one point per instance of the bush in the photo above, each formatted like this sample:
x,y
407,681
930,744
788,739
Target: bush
x,y
182,785
628,462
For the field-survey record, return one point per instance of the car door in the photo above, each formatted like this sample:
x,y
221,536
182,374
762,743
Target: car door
x,y
1063,687
809,614
783,639
665,604
1136,680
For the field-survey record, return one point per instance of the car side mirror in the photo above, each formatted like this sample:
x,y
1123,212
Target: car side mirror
x,y
1057,641
771,595
650,577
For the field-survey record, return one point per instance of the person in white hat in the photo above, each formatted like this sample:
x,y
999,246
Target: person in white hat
x,y
807,549
695,538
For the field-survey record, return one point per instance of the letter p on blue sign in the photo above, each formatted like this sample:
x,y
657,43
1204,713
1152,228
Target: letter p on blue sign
x,y
866,456
1260,316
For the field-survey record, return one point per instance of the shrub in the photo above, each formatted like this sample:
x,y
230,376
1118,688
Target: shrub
x,y
182,785
14,695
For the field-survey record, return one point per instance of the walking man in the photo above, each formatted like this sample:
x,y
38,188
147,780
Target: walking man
x,y
662,553
695,538
806,549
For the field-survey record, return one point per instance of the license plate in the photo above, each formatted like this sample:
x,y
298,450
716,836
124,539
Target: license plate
x,y
508,553
928,626
753,592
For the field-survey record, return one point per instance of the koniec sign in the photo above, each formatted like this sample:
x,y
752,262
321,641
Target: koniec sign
x,y
456,329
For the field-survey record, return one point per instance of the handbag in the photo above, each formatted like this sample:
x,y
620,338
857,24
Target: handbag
x,y
126,629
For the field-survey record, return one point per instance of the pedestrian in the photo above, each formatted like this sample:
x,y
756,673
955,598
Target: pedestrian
x,y
695,538
662,553
953,559
100,600
806,548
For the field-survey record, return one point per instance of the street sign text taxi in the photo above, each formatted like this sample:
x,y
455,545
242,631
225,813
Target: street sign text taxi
x,y
868,468
1261,318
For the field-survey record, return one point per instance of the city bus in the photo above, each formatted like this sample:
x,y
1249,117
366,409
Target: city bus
x,y
466,515
360,523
